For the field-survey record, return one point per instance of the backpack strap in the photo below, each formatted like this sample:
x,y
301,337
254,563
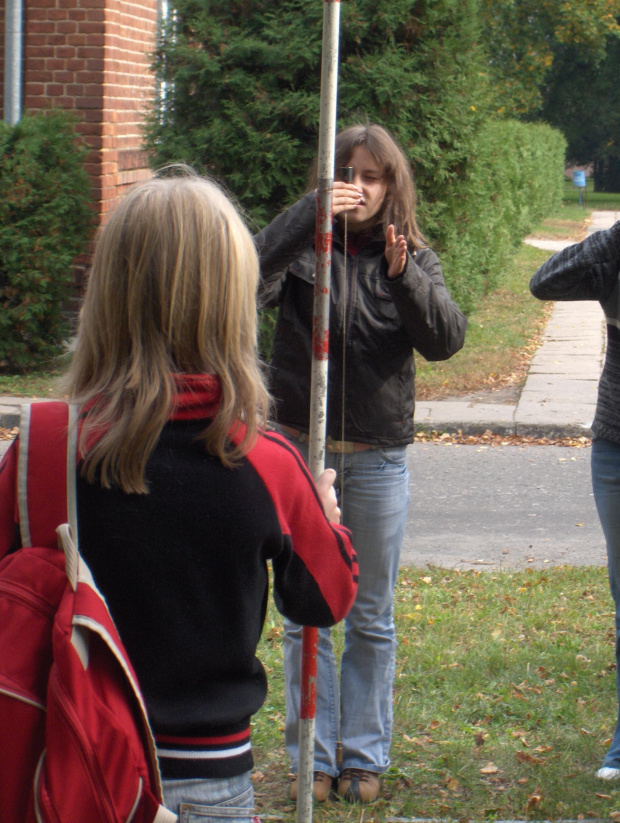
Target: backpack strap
x,y
46,471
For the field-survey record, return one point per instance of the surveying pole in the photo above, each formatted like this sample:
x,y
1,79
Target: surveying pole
x,y
320,360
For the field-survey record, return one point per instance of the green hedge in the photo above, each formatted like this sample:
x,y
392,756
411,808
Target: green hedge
x,y
514,179
45,221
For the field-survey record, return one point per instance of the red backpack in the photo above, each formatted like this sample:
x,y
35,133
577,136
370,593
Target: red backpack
x,y
75,743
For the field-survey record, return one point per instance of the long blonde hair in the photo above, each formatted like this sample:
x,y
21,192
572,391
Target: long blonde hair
x,y
399,205
172,289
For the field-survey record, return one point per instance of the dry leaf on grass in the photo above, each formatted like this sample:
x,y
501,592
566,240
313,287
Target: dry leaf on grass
x,y
534,800
490,768
526,757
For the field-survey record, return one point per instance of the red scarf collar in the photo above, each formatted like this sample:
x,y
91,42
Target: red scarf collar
x,y
196,396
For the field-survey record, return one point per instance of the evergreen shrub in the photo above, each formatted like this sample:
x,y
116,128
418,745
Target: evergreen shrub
x,y
242,89
45,221
514,179
242,80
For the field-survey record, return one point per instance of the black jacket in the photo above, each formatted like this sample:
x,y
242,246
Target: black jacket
x,y
374,327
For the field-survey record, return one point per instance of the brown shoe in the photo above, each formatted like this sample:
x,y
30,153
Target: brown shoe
x,y
322,784
359,786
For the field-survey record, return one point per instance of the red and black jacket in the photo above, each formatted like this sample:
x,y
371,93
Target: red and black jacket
x,y
184,573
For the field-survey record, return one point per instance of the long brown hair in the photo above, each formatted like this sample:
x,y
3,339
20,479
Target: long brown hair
x,y
172,289
399,205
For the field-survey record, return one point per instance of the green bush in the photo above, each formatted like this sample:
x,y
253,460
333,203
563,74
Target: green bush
x,y
45,221
514,179
243,85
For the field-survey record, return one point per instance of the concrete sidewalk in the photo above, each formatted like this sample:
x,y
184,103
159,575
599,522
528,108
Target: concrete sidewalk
x,y
559,395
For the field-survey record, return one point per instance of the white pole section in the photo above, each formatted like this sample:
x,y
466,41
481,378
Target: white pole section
x,y
12,61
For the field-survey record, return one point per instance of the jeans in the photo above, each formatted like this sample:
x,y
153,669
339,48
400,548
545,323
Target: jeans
x,y
212,800
373,490
606,487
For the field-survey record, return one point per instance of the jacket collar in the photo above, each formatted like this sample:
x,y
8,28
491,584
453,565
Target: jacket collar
x,y
197,396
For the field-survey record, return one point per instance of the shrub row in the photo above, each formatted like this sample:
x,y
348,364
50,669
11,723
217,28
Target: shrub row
x,y
514,179
45,221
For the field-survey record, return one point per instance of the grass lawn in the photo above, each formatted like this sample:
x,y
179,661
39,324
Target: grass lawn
x,y
33,384
503,332
504,701
502,335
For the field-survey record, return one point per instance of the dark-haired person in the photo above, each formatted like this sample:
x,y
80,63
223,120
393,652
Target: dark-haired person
x,y
392,300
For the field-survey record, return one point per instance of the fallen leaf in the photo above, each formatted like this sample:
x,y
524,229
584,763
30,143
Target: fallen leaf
x,y
615,816
490,768
603,796
480,738
534,800
526,757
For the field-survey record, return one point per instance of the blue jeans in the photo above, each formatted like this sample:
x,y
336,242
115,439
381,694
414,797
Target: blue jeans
x,y
212,800
374,495
606,487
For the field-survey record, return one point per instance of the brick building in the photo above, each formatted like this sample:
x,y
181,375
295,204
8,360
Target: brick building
x,y
93,57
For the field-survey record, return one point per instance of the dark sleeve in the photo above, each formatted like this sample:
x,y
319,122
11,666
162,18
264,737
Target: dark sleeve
x,y
281,242
435,324
584,271
9,524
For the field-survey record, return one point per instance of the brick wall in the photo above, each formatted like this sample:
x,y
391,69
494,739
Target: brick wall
x,y
93,56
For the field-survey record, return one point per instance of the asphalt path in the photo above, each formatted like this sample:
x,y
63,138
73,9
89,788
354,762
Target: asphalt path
x,y
501,507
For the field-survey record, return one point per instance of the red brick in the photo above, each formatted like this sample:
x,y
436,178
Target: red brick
x,y
94,77
93,102
67,27
40,27
63,76
53,64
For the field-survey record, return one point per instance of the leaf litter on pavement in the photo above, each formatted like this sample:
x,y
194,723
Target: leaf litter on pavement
x,y
488,438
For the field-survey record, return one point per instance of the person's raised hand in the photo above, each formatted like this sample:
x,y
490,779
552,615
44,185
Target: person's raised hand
x,y
345,197
395,252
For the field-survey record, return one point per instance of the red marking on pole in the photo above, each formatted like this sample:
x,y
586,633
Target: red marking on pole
x,y
323,243
309,647
320,342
